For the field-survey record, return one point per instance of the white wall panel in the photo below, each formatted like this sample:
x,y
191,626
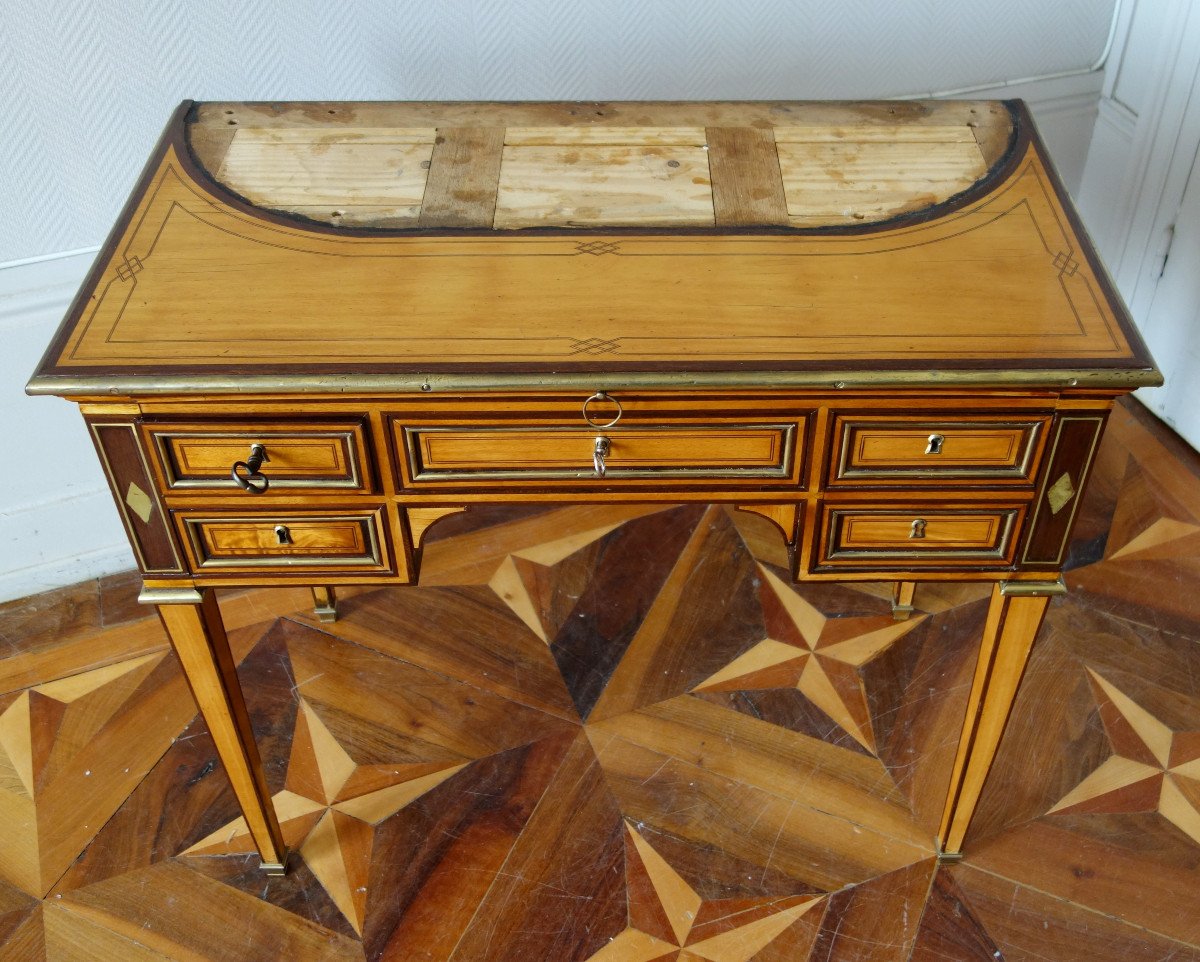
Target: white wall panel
x,y
85,85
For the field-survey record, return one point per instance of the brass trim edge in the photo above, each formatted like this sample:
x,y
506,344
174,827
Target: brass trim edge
x,y
169,596
133,385
1033,589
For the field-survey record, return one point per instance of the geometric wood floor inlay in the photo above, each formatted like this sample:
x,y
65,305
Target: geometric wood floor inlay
x,y
620,734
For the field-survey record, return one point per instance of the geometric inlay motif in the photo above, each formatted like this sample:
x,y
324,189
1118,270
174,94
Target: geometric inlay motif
x,y
670,922
597,247
129,267
523,569
1060,493
334,805
1152,768
139,502
820,656
69,751
595,345
1066,263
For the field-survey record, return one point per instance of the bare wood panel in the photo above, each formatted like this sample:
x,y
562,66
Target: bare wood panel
x,y
345,175
857,114
606,135
917,534
746,183
750,451
882,450
463,177
313,455
565,184
309,539
831,173
136,495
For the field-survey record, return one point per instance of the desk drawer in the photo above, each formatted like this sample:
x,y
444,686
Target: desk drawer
x,y
737,453
342,540
904,450
313,455
913,535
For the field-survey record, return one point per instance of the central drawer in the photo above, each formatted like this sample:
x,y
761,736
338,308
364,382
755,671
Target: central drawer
x,y
738,453
274,541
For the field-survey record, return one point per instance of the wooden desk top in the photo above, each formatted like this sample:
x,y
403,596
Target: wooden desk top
x,y
407,247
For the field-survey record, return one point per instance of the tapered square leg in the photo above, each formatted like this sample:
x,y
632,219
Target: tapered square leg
x,y
1014,617
902,599
193,623
325,603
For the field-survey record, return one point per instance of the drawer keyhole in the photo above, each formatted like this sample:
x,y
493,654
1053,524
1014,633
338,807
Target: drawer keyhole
x,y
282,535
918,529
935,444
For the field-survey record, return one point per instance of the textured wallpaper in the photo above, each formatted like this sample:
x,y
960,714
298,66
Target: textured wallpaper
x,y
85,85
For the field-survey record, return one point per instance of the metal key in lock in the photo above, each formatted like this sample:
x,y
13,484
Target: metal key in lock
x,y
282,535
599,453
918,528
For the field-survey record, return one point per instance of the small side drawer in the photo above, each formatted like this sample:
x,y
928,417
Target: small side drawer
x,y
902,536
341,541
902,450
749,453
309,455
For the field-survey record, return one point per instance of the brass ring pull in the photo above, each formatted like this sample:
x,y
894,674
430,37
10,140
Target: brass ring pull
x,y
254,481
601,396
599,453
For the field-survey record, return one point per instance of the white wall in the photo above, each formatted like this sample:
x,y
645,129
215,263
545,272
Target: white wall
x,y
87,84
1141,198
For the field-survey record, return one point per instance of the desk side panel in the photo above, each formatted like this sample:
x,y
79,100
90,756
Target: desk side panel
x,y
128,470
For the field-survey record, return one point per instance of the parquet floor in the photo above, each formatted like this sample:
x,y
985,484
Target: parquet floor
x,y
620,736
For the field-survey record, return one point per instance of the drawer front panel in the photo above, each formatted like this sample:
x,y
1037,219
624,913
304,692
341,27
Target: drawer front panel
x,y
904,451
303,456
914,535
753,453
309,540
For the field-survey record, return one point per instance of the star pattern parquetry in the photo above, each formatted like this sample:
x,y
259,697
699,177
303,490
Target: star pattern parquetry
x,y
820,656
330,807
670,922
1152,768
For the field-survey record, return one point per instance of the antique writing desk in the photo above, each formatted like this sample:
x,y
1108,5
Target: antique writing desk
x,y
319,328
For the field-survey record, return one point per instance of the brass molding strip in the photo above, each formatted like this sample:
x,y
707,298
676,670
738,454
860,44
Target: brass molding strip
x,y
134,385
169,596
1033,589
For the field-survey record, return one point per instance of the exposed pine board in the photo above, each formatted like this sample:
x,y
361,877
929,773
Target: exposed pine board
x,y
862,134
595,136
867,180
307,167
575,186
746,183
463,177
